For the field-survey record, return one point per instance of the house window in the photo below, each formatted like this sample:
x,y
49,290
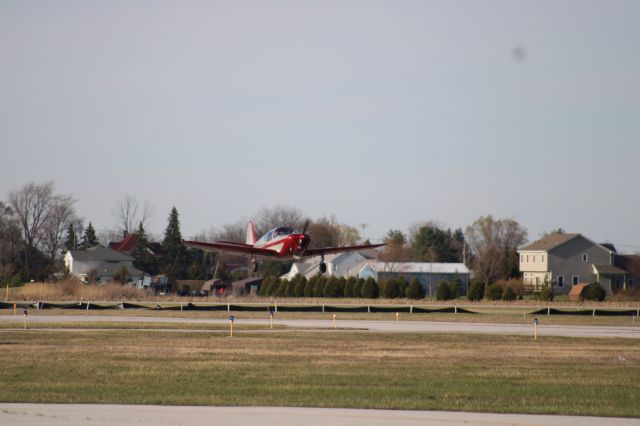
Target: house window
x,y
537,281
522,258
560,281
575,279
534,258
585,257
527,258
543,258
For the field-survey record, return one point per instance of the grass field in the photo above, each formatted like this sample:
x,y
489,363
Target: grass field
x,y
324,369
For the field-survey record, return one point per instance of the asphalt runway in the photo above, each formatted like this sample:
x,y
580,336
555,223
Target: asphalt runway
x,y
373,326
129,415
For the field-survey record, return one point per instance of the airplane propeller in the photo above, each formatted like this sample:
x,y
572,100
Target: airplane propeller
x,y
306,225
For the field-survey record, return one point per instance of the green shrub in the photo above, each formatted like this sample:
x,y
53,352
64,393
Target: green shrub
x,y
340,285
318,288
414,290
494,292
122,275
444,291
508,294
300,286
310,286
370,289
330,287
546,292
348,287
476,291
357,288
389,289
402,286
595,292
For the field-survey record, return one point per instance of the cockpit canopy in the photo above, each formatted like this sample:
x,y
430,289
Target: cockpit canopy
x,y
274,233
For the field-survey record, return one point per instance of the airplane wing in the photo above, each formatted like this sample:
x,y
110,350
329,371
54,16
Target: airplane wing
x,y
329,250
229,247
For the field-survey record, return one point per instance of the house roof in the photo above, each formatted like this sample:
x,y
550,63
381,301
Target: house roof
x,y
110,269
418,267
549,242
127,245
609,270
628,262
100,254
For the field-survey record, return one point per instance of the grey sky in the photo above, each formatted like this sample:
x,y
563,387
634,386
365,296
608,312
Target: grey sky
x,y
380,112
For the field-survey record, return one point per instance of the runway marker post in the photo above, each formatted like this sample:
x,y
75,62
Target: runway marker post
x,y
24,314
231,319
535,328
15,307
334,321
271,319
397,315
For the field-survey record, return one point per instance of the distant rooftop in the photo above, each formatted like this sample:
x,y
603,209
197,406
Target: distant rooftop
x,y
100,254
549,242
419,267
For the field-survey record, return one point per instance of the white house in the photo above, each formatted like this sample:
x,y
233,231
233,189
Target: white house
x,y
346,264
429,275
101,261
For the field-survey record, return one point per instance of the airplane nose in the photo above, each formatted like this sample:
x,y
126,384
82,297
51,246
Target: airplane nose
x,y
303,242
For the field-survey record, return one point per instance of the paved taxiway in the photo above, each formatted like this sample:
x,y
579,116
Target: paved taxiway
x,y
129,415
374,326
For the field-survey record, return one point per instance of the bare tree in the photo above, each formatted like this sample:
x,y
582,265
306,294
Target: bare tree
x,y
493,244
106,236
130,214
10,239
30,204
268,218
235,232
60,214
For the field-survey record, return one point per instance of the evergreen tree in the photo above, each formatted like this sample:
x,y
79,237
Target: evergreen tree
x,y
340,286
309,287
414,290
143,258
508,294
318,288
174,251
444,291
402,286
330,288
357,288
433,244
476,291
348,287
283,288
370,289
89,238
455,285
300,286
71,241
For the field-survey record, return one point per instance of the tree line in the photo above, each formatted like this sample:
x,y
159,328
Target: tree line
x,y
334,287
38,225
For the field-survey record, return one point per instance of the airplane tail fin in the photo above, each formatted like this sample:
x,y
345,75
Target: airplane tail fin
x,y
251,234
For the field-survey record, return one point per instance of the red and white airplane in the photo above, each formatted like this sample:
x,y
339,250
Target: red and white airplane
x,y
280,243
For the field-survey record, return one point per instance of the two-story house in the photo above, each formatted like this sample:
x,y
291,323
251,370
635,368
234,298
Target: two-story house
x,y
569,259
101,263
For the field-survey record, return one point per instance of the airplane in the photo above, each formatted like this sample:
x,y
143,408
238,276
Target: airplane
x,y
283,243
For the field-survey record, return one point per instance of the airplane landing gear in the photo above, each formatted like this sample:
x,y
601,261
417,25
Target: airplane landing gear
x,y
323,266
